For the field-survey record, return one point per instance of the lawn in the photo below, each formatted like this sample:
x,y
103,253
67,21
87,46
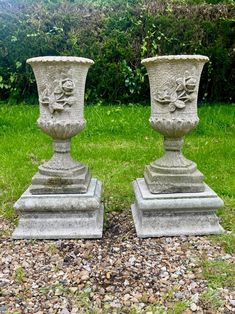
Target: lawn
x,y
116,145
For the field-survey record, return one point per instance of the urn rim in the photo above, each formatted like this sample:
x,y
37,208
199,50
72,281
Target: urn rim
x,y
54,59
165,58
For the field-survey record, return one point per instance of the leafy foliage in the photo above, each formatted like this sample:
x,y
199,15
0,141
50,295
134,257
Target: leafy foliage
x,y
117,35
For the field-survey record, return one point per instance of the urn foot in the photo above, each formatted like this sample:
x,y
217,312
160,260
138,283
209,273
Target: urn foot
x,y
61,174
173,173
173,182
157,215
72,182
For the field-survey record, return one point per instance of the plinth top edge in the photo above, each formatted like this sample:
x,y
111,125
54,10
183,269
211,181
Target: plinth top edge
x,y
175,58
60,59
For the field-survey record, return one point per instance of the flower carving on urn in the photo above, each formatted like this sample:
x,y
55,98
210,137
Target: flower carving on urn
x,y
61,86
61,98
178,92
174,83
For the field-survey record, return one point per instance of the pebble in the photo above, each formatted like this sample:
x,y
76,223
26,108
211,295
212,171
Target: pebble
x,y
226,257
84,275
73,289
108,297
193,307
65,311
126,282
116,249
118,270
179,295
195,298
164,274
152,299
132,260
58,292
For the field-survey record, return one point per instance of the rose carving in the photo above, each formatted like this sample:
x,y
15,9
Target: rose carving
x,y
178,93
60,98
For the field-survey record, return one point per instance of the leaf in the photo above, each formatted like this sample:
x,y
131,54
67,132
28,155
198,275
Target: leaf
x,y
180,87
13,39
51,109
163,97
179,104
58,90
18,64
180,84
12,78
179,81
162,101
45,101
57,107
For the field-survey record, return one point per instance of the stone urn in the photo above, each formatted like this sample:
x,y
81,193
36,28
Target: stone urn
x,y
174,82
172,198
63,201
61,85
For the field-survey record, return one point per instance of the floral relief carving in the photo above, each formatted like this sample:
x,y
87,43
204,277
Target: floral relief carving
x,y
176,93
61,98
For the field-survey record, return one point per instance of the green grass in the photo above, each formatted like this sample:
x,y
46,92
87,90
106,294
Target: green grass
x,y
219,273
211,300
116,145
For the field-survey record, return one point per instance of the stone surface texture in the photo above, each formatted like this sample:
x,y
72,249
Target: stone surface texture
x,y
60,216
174,82
157,215
63,200
172,199
61,86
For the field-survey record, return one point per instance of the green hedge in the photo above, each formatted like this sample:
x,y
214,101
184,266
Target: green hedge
x,y
117,35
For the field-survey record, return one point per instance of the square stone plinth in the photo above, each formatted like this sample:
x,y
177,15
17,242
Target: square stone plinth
x,y
157,215
60,216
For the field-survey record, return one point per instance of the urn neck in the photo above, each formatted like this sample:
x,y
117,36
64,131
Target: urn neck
x,y
62,146
173,144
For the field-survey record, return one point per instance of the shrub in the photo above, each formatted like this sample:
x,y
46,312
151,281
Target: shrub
x,y
117,35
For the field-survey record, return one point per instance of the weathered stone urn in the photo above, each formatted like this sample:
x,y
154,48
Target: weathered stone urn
x,y
61,85
63,200
174,82
172,199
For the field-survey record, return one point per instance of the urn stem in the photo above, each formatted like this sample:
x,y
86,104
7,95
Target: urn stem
x,y
62,146
173,144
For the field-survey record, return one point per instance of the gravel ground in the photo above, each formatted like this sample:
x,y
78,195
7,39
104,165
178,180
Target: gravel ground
x,y
118,274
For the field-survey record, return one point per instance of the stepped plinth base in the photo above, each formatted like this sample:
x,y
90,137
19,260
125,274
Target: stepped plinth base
x,y
175,214
174,183
70,182
60,216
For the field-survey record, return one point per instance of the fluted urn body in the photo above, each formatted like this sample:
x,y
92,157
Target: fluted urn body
x,y
174,83
61,86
